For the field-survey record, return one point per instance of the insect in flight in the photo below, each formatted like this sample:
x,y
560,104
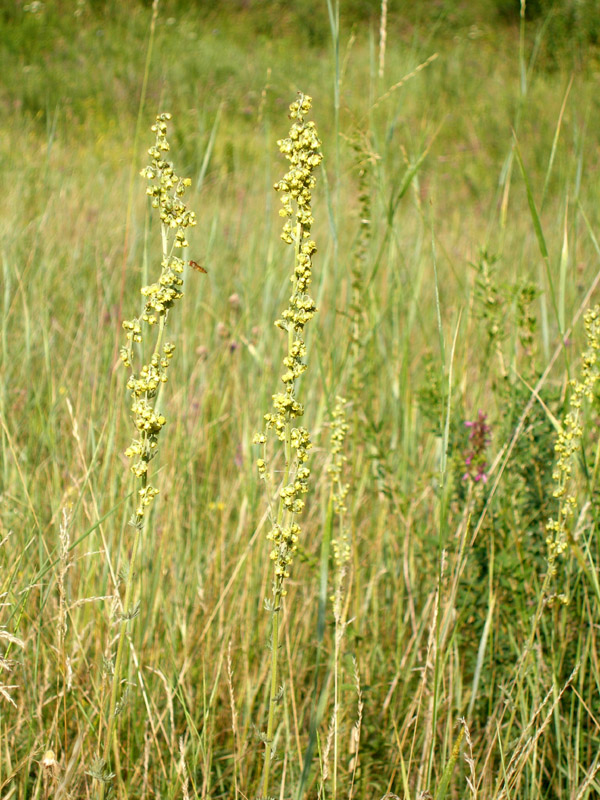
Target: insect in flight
x,y
197,267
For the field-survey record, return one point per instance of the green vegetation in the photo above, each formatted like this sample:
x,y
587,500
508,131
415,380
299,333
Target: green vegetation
x,y
437,633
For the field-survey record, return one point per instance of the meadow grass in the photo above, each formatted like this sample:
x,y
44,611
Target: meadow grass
x,y
457,220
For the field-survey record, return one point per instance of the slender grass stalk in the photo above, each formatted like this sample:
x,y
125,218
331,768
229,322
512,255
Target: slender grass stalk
x,y
136,139
382,37
341,557
166,190
333,9
61,628
301,148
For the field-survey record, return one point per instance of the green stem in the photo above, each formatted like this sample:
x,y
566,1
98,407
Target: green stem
x,y
127,604
272,694
336,657
136,138
277,592
124,620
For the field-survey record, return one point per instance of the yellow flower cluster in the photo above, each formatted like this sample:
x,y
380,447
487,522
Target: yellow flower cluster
x,y
301,148
569,441
145,497
166,190
162,294
339,429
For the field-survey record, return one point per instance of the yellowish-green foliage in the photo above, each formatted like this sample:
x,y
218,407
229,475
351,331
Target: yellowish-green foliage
x,y
339,489
342,553
440,585
569,443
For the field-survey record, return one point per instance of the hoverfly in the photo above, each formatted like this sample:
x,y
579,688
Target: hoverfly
x,y
197,267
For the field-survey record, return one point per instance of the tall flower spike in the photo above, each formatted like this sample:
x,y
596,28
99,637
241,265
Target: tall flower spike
x,y
339,489
568,444
166,190
301,148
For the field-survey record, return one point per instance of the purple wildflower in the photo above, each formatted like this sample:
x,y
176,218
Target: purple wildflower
x,y
479,439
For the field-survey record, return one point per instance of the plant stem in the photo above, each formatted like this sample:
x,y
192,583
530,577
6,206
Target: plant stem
x,y
287,518
139,525
125,618
272,695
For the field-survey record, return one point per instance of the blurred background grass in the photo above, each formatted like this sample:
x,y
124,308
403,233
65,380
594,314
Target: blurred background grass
x,y
72,269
